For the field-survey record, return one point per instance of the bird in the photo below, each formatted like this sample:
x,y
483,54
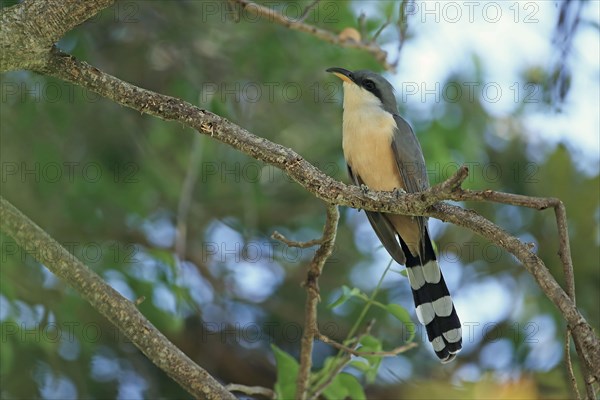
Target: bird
x,y
382,153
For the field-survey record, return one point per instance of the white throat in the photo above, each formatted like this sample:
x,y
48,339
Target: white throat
x,y
357,98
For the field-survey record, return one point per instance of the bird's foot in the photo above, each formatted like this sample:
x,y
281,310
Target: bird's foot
x,y
364,188
398,192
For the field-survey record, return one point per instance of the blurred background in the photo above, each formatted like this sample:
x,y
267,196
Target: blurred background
x,y
511,89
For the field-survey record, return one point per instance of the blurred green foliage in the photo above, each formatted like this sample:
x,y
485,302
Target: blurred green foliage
x,y
107,182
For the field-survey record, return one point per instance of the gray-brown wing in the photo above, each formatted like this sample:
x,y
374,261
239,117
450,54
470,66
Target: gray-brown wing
x,y
411,164
409,157
382,227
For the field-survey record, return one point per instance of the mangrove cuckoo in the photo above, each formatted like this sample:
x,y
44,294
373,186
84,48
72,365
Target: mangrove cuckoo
x,y
383,153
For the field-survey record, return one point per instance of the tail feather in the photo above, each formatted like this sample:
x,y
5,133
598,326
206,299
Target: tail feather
x,y
434,306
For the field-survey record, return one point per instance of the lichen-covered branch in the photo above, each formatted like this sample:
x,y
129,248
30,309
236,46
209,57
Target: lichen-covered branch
x,y
29,29
120,311
68,68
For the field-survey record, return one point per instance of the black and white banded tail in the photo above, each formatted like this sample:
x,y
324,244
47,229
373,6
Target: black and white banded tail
x,y
433,303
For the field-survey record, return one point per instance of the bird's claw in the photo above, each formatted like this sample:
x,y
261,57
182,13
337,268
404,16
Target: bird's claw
x,y
397,192
364,188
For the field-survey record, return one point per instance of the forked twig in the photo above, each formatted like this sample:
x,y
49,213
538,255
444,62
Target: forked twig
x,y
312,295
355,352
307,9
301,245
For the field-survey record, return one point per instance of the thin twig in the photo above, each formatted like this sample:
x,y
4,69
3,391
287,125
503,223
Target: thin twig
x,y
185,197
381,28
291,243
273,16
307,10
234,11
402,29
312,299
346,358
538,203
453,183
251,390
353,351
569,365
564,253
451,189
362,24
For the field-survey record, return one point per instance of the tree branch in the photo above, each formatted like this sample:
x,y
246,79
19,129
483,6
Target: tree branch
x,y
29,29
451,190
117,309
331,191
291,243
402,27
307,9
312,297
327,36
68,68
582,331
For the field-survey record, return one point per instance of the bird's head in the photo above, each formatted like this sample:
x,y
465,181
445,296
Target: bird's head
x,y
366,88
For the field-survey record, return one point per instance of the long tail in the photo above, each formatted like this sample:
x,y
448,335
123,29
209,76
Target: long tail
x,y
434,305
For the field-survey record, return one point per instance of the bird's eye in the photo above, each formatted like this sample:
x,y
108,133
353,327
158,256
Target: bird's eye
x,y
369,85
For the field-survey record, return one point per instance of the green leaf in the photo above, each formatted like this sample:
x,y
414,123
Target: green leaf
x,y
360,365
401,314
346,295
287,371
329,364
353,386
402,272
164,256
336,390
372,372
344,386
371,342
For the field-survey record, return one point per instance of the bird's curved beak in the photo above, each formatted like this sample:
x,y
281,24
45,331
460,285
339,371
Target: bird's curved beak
x,y
341,73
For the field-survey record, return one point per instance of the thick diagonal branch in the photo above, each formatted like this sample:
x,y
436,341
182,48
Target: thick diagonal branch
x,y
120,311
